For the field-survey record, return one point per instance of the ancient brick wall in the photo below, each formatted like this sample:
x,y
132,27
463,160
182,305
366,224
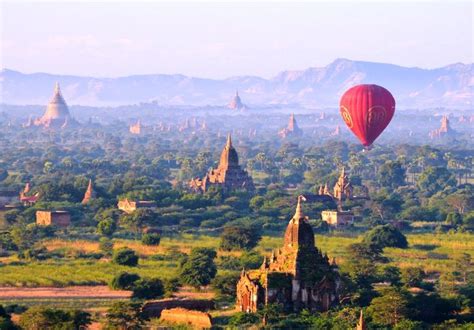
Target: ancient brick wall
x,y
186,316
154,308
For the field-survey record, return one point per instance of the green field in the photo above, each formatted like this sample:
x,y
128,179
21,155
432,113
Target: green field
x,y
433,252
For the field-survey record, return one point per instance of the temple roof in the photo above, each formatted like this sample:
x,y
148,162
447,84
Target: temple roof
x,y
57,107
299,231
229,155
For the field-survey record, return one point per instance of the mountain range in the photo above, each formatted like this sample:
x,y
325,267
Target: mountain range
x,y
448,86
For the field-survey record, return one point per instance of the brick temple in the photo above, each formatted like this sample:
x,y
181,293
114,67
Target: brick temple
x,y
228,174
297,276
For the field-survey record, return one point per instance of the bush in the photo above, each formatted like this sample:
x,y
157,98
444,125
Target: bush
x,y
226,284
39,318
151,239
124,281
125,315
106,227
148,288
125,257
386,236
239,319
239,238
106,246
198,268
171,286
413,276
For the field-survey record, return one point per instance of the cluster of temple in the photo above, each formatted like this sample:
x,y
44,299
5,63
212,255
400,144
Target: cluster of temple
x,y
342,189
297,276
229,175
56,115
291,130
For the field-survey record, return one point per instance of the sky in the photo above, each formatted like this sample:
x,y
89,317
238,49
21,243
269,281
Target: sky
x,y
218,40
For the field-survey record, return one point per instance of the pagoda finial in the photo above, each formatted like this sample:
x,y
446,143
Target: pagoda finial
x,y
57,89
229,141
236,92
299,213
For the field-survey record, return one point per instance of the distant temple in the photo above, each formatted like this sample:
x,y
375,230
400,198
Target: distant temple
x,y
136,128
291,129
236,103
342,189
228,174
89,194
297,276
444,130
57,113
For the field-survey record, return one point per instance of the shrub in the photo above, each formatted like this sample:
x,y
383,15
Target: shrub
x,y
239,319
386,236
125,315
239,238
148,288
198,268
124,281
106,227
151,239
226,284
106,246
413,276
171,285
39,318
125,257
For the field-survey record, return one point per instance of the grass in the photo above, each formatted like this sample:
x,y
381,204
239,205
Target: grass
x,y
435,253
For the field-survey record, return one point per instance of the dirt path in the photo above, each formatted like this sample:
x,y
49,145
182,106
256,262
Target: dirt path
x,y
100,291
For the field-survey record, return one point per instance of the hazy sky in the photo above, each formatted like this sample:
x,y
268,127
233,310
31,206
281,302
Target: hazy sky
x,y
224,39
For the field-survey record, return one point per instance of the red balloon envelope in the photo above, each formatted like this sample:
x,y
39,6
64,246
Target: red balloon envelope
x,y
367,110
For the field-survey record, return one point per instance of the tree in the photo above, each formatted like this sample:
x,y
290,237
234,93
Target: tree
x,y
151,239
148,288
454,219
5,320
125,257
413,276
39,318
390,308
461,201
124,281
226,284
106,245
386,236
239,238
463,266
391,274
391,175
106,227
198,269
434,179
125,316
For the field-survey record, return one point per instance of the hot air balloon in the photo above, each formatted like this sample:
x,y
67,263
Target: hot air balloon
x,y
367,110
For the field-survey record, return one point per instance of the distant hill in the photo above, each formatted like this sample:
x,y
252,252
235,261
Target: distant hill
x,y
449,86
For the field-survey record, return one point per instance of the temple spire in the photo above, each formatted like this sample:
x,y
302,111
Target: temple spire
x,y
229,141
57,89
299,213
